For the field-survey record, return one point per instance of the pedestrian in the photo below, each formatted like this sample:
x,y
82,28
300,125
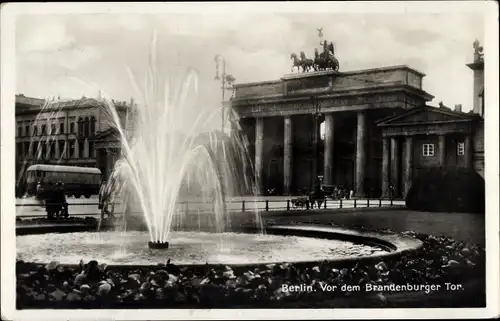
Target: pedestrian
x,y
101,195
335,194
61,206
38,190
50,200
103,198
351,194
320,200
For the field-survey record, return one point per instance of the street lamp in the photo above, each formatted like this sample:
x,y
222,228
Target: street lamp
x,y
227,82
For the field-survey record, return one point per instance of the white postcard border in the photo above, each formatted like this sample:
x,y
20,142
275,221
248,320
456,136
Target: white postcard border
x,y
7,153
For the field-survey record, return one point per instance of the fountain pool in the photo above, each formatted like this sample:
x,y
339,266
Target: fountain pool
x,y
185,248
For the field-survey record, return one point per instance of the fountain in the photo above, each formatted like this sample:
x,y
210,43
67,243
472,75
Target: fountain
x,y
167,164
164,151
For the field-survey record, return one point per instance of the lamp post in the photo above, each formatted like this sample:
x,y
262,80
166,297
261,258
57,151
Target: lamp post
x,y
226,83
316,115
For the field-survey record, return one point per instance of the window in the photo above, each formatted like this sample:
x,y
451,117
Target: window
x,y
81,149
27,130
92,125
44,151
460,148
72,128
61,127
44,130
35,130
19,150
27,151
91,150
19,131
86,127
428,149
52,151
35,150
62,152
71,149
80,127
53,129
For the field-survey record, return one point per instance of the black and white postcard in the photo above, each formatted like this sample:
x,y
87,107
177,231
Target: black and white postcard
x,y
249,160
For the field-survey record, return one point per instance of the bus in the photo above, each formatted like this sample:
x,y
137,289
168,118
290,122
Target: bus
x,y
77,180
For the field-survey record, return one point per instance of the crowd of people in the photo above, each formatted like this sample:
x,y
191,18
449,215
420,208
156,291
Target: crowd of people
x,y
53,195
56,205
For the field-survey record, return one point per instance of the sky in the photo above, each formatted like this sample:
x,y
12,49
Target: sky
x,y
75,55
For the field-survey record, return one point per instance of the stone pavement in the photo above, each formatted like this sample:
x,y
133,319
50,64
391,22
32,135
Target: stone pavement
x,y
463,227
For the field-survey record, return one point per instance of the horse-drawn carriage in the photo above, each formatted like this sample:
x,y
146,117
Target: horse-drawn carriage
x,y
311,200
322,61
318,196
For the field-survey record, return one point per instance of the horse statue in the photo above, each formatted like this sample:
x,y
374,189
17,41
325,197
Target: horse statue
x,y
326,59
307,64
296,62
333,63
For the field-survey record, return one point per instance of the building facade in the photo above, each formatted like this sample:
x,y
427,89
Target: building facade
x,y
377,130
63,133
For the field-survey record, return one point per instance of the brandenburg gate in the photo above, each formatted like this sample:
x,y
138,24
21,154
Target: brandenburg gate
x,y
320,123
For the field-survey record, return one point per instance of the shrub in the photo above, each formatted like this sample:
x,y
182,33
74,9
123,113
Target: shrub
x,y
445,189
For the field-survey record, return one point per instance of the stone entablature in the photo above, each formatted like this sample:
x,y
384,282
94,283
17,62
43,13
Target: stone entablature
x,y
329,81
29,101
428,120
435,128
28,105
370,98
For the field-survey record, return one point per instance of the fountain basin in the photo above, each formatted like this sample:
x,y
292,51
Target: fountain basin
x,y
299,244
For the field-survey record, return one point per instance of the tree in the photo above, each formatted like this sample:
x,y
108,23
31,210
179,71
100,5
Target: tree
x,y
444,189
